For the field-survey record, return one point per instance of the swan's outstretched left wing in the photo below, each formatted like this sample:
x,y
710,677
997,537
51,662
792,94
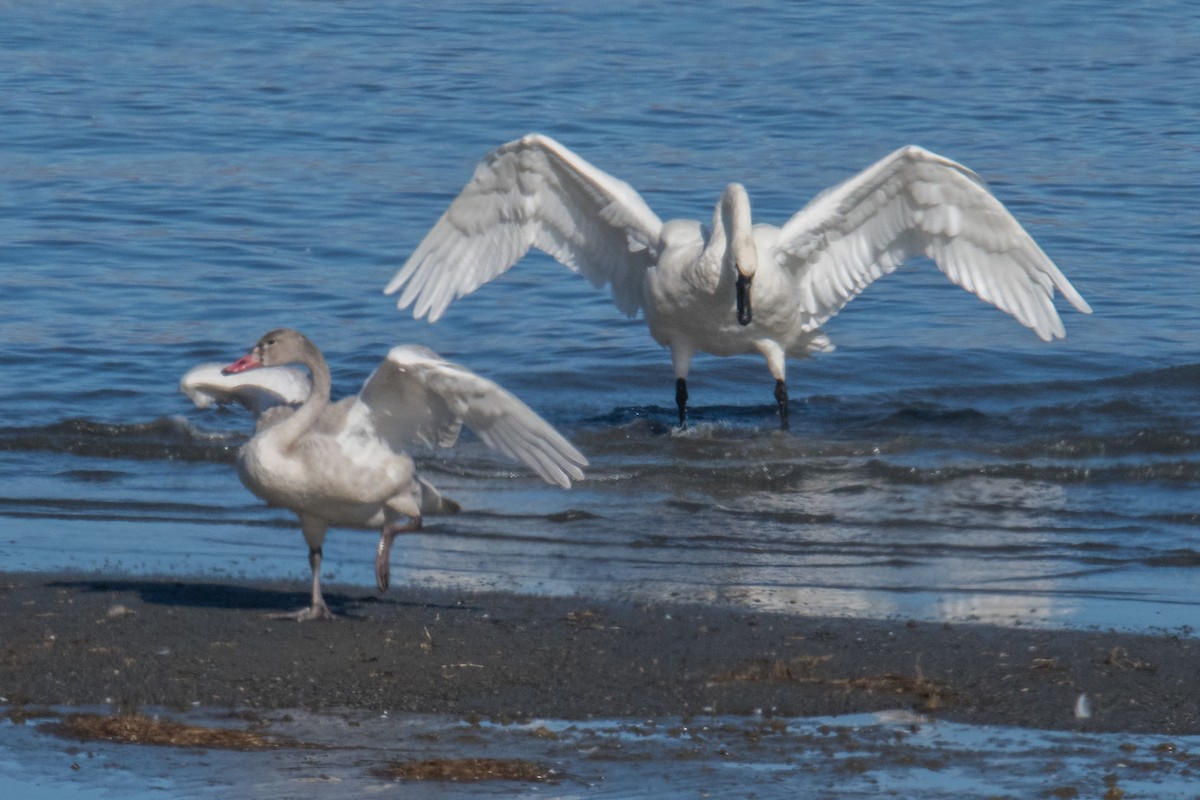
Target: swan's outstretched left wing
x,y
257,390
532,192
417,397
914,202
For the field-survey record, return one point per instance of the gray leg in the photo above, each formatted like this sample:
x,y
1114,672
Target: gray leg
x,y
383,553
317,609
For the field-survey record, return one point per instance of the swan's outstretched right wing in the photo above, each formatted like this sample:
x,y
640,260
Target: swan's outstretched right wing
x,y
257,391
415,396
914,202
532,192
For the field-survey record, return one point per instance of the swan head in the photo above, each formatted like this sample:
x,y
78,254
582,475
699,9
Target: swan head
x,y
742,254
274,349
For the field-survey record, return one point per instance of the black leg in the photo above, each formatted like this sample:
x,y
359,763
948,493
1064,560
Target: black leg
x,y
781,397
681,400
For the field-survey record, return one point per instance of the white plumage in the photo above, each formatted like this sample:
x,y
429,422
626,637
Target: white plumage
x,y
733,287
257,392
344,464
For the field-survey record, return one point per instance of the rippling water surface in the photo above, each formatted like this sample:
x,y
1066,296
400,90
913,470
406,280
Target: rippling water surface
x,y
179,177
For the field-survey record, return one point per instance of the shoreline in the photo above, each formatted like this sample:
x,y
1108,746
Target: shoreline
x,y
131,642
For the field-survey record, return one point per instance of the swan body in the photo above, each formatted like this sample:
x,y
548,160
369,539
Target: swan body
x,y
733,287
344,464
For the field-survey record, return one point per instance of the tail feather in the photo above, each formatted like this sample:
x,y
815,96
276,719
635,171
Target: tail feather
x,y
434,502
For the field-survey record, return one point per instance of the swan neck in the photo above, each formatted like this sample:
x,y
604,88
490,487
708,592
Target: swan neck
x,y
318,398
321,380
733,232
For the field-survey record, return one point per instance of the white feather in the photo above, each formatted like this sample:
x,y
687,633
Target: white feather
x,y
535,192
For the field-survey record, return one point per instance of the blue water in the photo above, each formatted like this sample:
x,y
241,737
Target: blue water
x,y
176,178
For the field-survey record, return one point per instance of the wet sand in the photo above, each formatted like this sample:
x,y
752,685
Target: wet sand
x,y
136,642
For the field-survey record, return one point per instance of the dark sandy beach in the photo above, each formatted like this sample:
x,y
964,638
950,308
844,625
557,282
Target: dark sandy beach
x,y
135,642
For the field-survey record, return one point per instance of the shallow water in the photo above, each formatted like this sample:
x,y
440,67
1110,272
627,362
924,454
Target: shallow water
x,y
867,756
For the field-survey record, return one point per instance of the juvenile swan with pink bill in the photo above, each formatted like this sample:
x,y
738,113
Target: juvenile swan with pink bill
x,y
344,464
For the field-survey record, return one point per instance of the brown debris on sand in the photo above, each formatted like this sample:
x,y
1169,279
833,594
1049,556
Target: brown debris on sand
x,y
928,695
141,729
464,770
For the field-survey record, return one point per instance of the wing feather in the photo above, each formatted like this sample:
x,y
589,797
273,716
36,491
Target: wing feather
x,y
532,192
258,391
914,202
416,397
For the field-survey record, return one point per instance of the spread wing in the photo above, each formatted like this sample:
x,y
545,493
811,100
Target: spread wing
x,y
914,202
532,192
417,397
258,390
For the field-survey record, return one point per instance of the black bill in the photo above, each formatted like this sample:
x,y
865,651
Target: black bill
x,y
744,314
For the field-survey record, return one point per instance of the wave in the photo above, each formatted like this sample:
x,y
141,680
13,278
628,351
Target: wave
x,y
1169,471
1135,427
1116,445
130,510
171,439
